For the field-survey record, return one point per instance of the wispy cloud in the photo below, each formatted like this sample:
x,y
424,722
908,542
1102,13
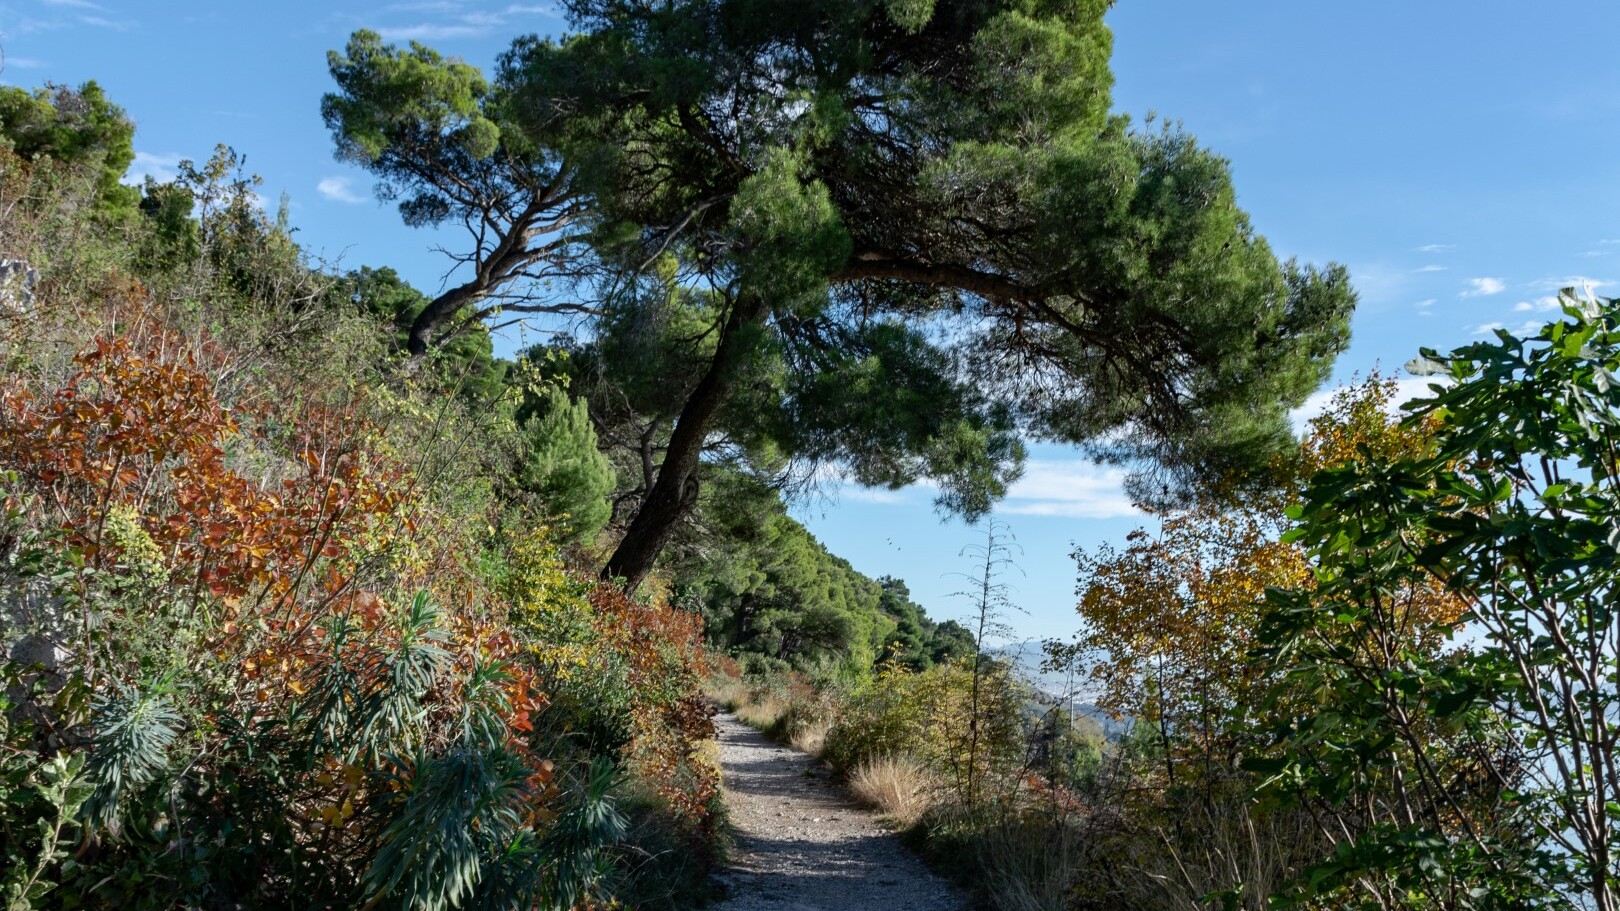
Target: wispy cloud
x,y
76,4
1522,330
338,189
426,6
1481,287
1436,248
1539,305
104,22
460,22
1073,489
161,168
871,495
1578,282
432,32
1430,268
23,63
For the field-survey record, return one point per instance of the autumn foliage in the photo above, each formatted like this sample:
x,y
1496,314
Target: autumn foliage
x,y
1171,619
265,651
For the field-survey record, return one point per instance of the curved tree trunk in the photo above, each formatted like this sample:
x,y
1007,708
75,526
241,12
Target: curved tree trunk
x,y
676,488
419,338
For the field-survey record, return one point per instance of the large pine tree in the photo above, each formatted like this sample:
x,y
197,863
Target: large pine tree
x,y
912,231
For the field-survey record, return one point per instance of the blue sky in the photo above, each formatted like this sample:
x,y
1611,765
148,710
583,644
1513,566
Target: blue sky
x,y
1459,157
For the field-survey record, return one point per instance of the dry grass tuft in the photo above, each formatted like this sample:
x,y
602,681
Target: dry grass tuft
x,y
763,713
726,692
897,786
811,736
1031,867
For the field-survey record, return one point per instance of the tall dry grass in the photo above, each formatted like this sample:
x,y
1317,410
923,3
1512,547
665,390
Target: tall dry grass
x,y
1031,865
726,692
899,787
762,712
1215,846
810,736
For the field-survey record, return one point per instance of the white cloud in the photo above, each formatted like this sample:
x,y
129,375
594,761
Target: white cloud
x,y
1067,488
871,495
432,32
1071,488
1480,287
161,168
1578,282
1539,305
1426,303
1487,328
483,20
1430,268
463,23
1436,248
76,4
427,6
338,189
22,63
104,22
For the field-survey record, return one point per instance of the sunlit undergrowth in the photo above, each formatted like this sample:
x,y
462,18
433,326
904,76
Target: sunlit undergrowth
x,y
282,629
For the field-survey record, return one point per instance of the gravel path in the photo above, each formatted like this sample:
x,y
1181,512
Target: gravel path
x,y
803,846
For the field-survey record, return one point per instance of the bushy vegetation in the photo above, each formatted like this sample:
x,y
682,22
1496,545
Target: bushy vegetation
x,y
290,620
1380,686
309,598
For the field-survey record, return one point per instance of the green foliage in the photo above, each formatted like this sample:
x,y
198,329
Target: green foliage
x,y
436,134
465,363
260,646
457,812
1086,245
78,127
1068,749
965,724
134,731
1477,768
890,237
51,795
917,641
388,98
560,464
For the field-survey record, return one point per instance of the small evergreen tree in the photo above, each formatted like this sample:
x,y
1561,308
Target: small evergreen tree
x,y
562,465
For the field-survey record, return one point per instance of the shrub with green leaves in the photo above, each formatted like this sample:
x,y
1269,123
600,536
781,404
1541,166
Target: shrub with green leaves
x,y
1485,777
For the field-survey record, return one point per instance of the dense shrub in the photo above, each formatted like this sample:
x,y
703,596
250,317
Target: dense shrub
x,y
278,629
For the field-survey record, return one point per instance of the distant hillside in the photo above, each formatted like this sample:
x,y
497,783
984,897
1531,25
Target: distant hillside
x,y
1075,693
767,588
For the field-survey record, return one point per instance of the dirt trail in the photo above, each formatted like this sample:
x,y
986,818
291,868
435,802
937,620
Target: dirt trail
x,y
804,846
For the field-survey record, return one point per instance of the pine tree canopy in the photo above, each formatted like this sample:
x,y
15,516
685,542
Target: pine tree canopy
x,y
915,234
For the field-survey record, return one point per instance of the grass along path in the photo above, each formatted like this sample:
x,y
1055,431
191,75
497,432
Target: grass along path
x,y
802,845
